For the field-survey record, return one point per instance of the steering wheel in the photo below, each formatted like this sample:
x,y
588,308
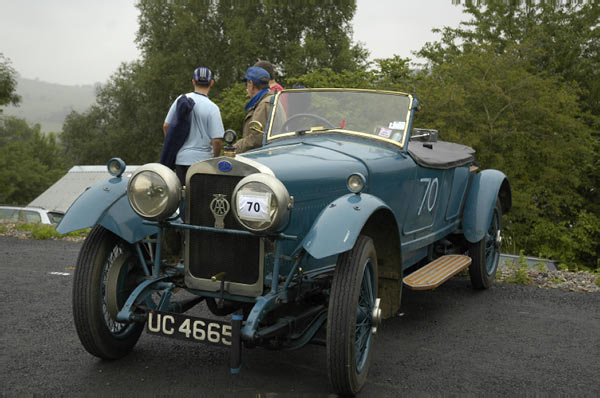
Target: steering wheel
x,y
309,115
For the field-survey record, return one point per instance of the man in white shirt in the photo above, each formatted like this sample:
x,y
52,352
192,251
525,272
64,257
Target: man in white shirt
x,y
206,131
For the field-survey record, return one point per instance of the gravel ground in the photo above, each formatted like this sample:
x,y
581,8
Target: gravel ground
x,y
573,281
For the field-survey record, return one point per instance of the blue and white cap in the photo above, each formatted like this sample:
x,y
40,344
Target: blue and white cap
x,y
203,75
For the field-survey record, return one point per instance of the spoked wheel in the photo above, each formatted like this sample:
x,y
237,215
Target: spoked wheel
x,y
106,273
353,317
486,252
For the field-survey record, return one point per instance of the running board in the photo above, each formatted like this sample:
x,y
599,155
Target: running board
x,y
437,272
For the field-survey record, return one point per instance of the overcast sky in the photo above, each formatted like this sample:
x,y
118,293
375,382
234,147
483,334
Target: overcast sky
x,y
84,41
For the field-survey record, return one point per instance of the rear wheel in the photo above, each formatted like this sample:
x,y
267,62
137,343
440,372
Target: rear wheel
x,y
106,273
486,252
353,317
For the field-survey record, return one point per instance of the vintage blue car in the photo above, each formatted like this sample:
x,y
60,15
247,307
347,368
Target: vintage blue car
x,y
319,229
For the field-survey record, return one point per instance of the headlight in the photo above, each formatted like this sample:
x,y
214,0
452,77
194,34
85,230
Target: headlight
x,y
261,203
116,167
229,136
154,191
356,183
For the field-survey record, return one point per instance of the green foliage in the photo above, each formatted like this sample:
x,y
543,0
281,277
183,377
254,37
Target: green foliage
x,y
3,228
329,78
523,101
45,231
562,267
29,161
8,83
519,83
541,267
79,233
597,281
231,102
228,37
520,273
26,227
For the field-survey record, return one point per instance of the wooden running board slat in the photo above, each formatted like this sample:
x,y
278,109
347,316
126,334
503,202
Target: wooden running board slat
x,y
437,272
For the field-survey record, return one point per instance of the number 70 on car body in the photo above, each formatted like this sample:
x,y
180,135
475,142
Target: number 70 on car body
x,y
430,195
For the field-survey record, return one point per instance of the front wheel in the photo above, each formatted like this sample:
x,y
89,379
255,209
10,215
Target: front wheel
x,y
353,317
486,253
105,274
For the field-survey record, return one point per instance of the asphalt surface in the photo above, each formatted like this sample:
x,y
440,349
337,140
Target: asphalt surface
x,y
509,340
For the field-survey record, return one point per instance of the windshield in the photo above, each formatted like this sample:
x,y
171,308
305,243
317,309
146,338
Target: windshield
x,y
379,114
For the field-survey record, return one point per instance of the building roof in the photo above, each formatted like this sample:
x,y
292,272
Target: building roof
x,y
511,260
63,193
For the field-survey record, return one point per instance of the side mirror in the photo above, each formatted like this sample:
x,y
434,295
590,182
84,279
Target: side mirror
x,y
257,126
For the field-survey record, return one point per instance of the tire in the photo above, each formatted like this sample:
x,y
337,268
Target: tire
x,y
97,329
486,253
353,290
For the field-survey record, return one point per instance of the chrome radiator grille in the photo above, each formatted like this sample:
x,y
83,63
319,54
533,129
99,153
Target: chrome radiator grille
x,y
210,252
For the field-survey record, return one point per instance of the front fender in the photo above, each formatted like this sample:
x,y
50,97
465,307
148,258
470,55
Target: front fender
x,y
106,203
486,187
337,227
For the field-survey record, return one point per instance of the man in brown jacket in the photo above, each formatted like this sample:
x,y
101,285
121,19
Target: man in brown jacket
x,y
259,107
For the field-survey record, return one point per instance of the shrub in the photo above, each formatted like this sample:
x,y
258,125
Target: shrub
x,y
26,227
78,233
541,267
521,272
44,232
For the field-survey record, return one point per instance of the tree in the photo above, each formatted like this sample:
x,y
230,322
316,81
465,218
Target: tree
x,y
29,161
512,83
8,83
177,37
560,39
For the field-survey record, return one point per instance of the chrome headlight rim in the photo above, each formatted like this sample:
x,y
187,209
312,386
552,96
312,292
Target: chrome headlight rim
x,y
116,167
277,189
173,189
356,183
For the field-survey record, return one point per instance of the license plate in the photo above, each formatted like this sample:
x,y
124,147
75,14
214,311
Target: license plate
x,y
189,328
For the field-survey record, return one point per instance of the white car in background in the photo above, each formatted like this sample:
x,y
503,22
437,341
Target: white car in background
x,y
29,215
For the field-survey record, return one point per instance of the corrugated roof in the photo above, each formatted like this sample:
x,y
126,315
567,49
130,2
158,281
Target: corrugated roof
x,y
63,193
511,260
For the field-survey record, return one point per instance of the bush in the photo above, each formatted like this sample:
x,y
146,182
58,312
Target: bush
x,y
77,234
521,272
44,232
26,227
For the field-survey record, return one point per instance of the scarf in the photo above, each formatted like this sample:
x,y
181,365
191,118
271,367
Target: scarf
x,y
254,100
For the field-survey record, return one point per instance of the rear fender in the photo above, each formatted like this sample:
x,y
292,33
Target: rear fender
x,y
337,227
106,203
486,187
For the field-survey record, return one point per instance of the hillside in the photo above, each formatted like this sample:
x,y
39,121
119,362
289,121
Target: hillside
x,y
48,104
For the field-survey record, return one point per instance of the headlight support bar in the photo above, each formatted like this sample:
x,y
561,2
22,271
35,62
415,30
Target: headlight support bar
x,y
170,224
